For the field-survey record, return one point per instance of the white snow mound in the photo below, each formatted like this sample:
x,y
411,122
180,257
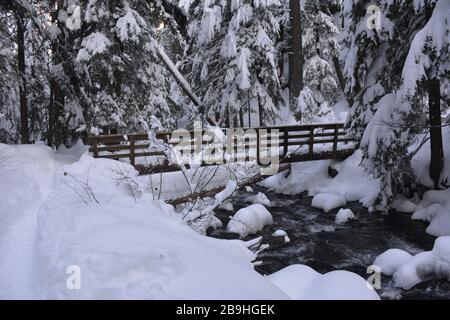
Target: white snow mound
x,y
250,220
303,283
391,260
328,201
344,215
260,198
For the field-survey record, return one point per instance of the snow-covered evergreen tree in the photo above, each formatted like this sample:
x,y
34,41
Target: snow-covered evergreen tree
x,y
124,82
320,47
232,56
402,113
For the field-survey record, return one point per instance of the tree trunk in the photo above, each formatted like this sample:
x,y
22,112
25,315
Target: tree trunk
x,y
337,67
227,118
57,97
241,117
437,150
295,53
249,110
24,128
260,113
51,116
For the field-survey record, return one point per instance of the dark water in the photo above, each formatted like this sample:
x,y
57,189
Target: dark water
x,y
316,241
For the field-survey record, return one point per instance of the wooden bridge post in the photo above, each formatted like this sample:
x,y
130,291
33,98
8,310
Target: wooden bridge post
x,y
311,142
286,141
94,142
335,142
132,150
258,146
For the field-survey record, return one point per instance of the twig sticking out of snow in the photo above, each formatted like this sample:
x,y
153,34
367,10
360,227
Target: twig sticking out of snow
x,y
86,193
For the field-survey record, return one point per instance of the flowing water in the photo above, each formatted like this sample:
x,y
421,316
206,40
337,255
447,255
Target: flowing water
x,y
316,241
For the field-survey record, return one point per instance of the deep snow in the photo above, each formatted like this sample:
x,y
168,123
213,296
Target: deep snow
x,y
64,211
55,215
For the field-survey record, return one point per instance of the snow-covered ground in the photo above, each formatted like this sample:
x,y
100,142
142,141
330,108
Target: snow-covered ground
x,y
435,205
56,214
75,227
351,184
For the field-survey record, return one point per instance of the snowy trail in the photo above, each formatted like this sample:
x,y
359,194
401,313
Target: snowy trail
x,y
27,180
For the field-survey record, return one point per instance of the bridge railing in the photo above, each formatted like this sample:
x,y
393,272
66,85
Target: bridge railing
x,y
296,143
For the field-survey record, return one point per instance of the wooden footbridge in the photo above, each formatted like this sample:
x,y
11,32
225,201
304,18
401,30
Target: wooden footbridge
x,y
293,144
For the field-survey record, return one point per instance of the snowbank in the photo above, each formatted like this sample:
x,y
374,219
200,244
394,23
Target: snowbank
x,y
352,183
344,215
328,201
435,208
303,283
57,217
421,161
409,271
250,220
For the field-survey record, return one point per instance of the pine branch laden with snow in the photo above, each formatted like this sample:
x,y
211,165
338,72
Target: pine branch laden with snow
x,y
320,46
232,55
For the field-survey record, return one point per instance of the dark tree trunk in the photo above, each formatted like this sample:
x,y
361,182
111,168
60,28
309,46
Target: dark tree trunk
x,y
227,118
295,52
24,128
249,110
51,116
241,117
57,97
337,67
437,150
260,113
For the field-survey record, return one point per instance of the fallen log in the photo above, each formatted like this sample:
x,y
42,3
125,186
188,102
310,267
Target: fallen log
x,y
211,193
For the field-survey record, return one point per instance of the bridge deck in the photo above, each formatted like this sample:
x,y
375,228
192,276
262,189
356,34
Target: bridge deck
x,y
287,144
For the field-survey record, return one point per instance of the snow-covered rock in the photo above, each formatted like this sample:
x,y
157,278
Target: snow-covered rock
x,y
295,280
391,260
303,283
410,271
250,220
344,215
226,206
281,234
403,206
328,201
260,198
441,257
341,285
